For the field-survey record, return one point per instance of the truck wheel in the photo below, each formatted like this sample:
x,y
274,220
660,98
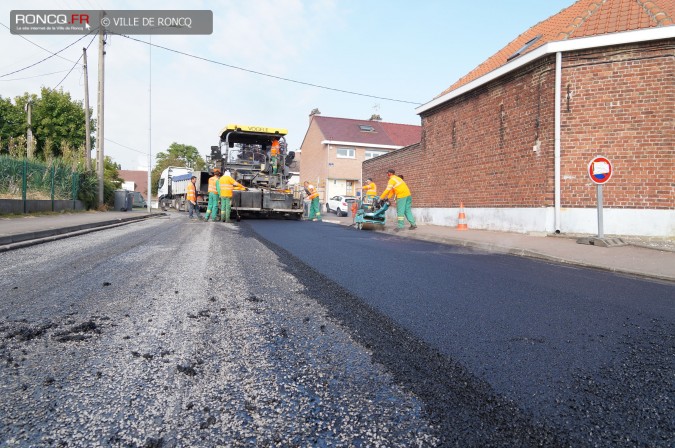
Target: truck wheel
x,y
338,212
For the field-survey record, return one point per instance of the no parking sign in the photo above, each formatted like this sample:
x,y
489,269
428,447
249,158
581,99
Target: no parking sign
x,y
600,169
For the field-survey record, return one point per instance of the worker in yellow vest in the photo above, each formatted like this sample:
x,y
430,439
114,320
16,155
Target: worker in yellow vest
x,y
397,186
192,199
274,155
314,207
225,187
369,188
212,208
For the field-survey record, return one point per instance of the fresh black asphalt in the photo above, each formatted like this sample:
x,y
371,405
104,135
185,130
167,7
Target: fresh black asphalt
x,y
587,356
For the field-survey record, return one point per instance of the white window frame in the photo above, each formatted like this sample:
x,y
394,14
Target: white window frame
x,y
351,153
372,154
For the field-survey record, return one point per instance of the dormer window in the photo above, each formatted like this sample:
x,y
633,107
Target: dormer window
x,y
366,128
522,49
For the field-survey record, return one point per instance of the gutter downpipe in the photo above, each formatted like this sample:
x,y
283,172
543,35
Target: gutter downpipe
x,y
327,171
556,166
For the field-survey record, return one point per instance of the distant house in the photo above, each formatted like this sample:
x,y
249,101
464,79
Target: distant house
x,y
140,178
334,149
513,138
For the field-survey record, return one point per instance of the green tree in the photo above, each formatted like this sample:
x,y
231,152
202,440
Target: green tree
x,y
12,123
58,122
176,155
186,154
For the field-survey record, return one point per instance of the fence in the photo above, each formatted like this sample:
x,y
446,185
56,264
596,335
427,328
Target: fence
x,y
38,186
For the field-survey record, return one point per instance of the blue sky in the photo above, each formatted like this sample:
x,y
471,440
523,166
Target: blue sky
x,y
405,50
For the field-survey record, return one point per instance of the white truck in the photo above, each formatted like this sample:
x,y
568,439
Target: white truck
x,y
172,188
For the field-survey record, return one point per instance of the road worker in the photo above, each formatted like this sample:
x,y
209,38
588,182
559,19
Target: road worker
x,y
314,207
397,186
212,209
274,155
192,199
369,188
225,186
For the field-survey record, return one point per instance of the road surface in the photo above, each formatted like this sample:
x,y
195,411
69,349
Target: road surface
x,y
177,333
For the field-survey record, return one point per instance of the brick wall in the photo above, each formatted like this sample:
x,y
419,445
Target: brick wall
x,y
478,148
314,163
399,160
619,102
139,177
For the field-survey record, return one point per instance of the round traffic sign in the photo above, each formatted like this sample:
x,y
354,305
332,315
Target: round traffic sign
x,y
600,169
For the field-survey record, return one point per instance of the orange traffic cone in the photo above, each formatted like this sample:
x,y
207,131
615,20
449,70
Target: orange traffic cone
x,y
461,225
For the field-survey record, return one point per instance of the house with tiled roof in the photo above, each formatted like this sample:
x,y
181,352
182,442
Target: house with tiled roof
x,y
334,149
513,139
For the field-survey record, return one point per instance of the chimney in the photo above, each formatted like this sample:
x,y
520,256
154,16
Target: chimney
x,y
375,117
314,111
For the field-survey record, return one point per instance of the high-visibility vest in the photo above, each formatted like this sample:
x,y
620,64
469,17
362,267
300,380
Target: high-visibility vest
x,y
227,184
191,192
399,187
370,189
312,192
212,184
275,148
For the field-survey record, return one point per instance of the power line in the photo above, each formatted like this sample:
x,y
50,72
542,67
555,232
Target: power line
x,y
124,146
37,45
42,60
74,65
30,77
267,74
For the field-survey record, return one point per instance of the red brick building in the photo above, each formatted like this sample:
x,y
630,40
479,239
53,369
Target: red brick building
x,y
334,149
513,138
140,178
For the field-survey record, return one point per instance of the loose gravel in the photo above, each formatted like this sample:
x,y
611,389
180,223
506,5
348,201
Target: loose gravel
x,y
167,333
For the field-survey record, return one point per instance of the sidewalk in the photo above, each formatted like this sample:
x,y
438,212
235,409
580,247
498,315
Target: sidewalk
x,y
28,230
632,260
21,231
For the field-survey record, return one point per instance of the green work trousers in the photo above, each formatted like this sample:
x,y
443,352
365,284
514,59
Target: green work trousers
x,y
274,164
212,209
404,211
225,208
315,209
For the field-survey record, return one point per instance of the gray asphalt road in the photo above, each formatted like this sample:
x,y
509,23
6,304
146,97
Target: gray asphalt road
x,y
527,352
171,333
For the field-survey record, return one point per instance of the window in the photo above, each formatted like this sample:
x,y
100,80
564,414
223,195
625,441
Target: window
x,y
522,49
371,154
345,153
366,128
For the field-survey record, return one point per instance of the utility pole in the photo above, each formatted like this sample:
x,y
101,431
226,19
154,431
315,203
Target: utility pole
x,y
99,124
29,132
87,141
150,132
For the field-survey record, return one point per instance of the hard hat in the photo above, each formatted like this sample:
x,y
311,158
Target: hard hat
x,y
227,172
216,171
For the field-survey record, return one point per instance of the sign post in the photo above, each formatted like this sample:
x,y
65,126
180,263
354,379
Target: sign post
x,y
600,171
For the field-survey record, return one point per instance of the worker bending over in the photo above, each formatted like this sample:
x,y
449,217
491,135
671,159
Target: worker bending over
x,y
369,189
397,186
314,207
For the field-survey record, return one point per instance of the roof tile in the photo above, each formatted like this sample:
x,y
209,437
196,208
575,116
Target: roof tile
x,y
347,130
584,18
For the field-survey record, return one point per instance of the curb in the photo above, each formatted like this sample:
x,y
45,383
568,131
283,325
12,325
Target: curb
x,y
20,240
